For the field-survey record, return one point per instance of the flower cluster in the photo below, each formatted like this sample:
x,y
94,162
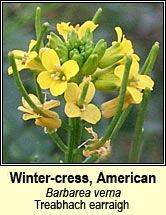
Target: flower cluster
x,y
73,66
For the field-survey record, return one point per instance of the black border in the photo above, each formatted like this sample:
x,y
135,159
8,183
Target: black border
x,y
90,164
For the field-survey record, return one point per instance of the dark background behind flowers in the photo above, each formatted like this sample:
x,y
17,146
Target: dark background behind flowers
x,y
142,23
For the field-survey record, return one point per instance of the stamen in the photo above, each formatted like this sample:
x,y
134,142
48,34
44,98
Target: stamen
x,y
63,78
83,107
57,67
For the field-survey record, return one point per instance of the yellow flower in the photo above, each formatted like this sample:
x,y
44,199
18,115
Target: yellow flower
x,y
125,47
87,112
119,50
64,28
56,76
52,121
104,151
22,58
136,82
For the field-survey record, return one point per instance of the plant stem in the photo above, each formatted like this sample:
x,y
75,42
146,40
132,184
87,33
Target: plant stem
x,y
20,86
69,154
119,106
40,37
55,137
137,142
120,121
74,139
38,90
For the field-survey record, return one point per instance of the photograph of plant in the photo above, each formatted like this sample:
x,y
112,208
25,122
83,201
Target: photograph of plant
x,y
83,86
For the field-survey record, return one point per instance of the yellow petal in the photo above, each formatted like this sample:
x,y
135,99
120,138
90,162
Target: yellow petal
x,y
49,123
27,106
119,71
34,65
145,81
70,68
91,114
35,99
58,87
50,59
119,33
53,122
90,92
18,53
31,45
72,110
63,29
23,109
44,79
19,67
50,104
41,51
126,47
72,92
135,94
134,67
88,24
31,56
28,116
109,108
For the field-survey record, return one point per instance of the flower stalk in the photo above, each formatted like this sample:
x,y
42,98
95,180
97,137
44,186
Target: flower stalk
x,y
21,87
137,141
119,107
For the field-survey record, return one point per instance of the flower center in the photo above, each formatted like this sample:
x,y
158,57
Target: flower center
x,y
133,81
58,74
24,58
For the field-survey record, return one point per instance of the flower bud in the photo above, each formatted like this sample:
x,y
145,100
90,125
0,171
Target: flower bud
x,y
72,38
78,58
90,65
100,48
62,52
108,82
111,56
88,36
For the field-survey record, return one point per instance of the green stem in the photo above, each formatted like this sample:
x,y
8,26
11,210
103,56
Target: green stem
x,y
119,106
40,37
69,154
20,86
78,131
137,142
97,15
65,126
74,139
55,137
83,94
38,90
120,121
150,60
